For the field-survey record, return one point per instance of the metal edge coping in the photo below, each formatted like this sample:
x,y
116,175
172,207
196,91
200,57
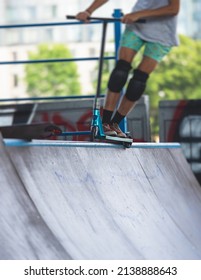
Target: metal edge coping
x,y
59,143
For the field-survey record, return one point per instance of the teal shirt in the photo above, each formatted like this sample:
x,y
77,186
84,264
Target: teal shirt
x,y
162,30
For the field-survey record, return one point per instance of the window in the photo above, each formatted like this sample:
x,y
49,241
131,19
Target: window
x,y
48,35
30,36
15,81
12,37
12,14
28,13
49,11
18,14
14,55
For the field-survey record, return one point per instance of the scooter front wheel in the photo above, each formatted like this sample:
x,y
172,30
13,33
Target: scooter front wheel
x,y
94,132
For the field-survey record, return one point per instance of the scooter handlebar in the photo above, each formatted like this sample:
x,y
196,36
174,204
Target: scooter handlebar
x,y
105,19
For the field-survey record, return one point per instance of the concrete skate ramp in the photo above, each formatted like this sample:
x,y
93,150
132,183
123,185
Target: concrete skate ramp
x,y
99,202
23,232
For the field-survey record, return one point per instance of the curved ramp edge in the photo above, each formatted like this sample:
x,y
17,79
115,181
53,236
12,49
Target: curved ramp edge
x,y
110,203
23,234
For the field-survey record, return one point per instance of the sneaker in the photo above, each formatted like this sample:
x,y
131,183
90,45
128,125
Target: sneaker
x,y
116,128
108,130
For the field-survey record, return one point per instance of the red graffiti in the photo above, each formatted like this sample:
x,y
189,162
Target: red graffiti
x,y
174,123
82,124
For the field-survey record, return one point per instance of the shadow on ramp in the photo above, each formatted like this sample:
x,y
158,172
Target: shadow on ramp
x,y
99,202
24,234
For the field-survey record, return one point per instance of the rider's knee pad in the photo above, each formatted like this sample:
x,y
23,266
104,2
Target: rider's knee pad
x,y
136,85
119,76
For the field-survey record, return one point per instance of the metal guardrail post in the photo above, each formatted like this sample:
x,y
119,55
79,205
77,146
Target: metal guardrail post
x,y
117,37
117,30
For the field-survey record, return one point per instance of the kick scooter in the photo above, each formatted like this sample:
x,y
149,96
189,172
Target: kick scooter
x,y
47,130
97,132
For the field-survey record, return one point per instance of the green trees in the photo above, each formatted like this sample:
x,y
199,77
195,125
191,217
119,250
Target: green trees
x,y
176,77
52,79
107,68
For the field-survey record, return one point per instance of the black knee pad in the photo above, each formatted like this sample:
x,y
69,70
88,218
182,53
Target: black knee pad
x,y
137,85
119,76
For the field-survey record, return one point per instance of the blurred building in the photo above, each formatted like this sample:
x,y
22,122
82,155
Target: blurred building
x,y
190,18
22,12
83,40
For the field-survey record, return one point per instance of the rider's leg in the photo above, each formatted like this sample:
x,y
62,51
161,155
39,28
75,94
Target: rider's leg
x,y
129,46
137,86
126,55
145,68
153,54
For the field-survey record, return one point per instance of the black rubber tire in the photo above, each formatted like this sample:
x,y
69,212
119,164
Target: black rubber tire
x,y
127,145
93,133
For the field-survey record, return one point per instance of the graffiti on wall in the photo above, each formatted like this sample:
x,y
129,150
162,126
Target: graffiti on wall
x,y
72,116
185,128
81,124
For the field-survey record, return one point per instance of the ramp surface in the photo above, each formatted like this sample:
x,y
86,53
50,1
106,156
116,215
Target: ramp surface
x,y
23,234
99,202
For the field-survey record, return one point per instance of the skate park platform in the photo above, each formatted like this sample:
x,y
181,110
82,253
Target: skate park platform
x,y
90,201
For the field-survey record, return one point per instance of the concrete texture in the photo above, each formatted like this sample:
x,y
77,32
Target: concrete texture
x,y
24,234
64,200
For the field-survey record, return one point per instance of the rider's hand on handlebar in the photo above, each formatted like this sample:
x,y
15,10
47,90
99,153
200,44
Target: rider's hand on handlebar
x,y
83,16
129,18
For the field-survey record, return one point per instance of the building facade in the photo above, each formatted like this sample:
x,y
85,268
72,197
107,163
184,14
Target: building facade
x,y
190,19
83,40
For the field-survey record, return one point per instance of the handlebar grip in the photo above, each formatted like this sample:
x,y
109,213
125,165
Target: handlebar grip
x,y
70,17
105,19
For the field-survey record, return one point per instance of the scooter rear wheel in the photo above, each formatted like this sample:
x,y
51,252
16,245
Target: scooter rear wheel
x,y
127,145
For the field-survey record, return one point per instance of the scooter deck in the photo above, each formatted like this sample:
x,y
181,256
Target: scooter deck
x,y
125,142
118,139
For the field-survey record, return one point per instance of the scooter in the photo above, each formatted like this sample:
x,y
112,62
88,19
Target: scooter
x,y
97,132
47,130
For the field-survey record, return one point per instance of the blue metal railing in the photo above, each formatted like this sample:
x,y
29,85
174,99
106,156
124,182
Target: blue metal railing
x,y
117,30
54,60
117,34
